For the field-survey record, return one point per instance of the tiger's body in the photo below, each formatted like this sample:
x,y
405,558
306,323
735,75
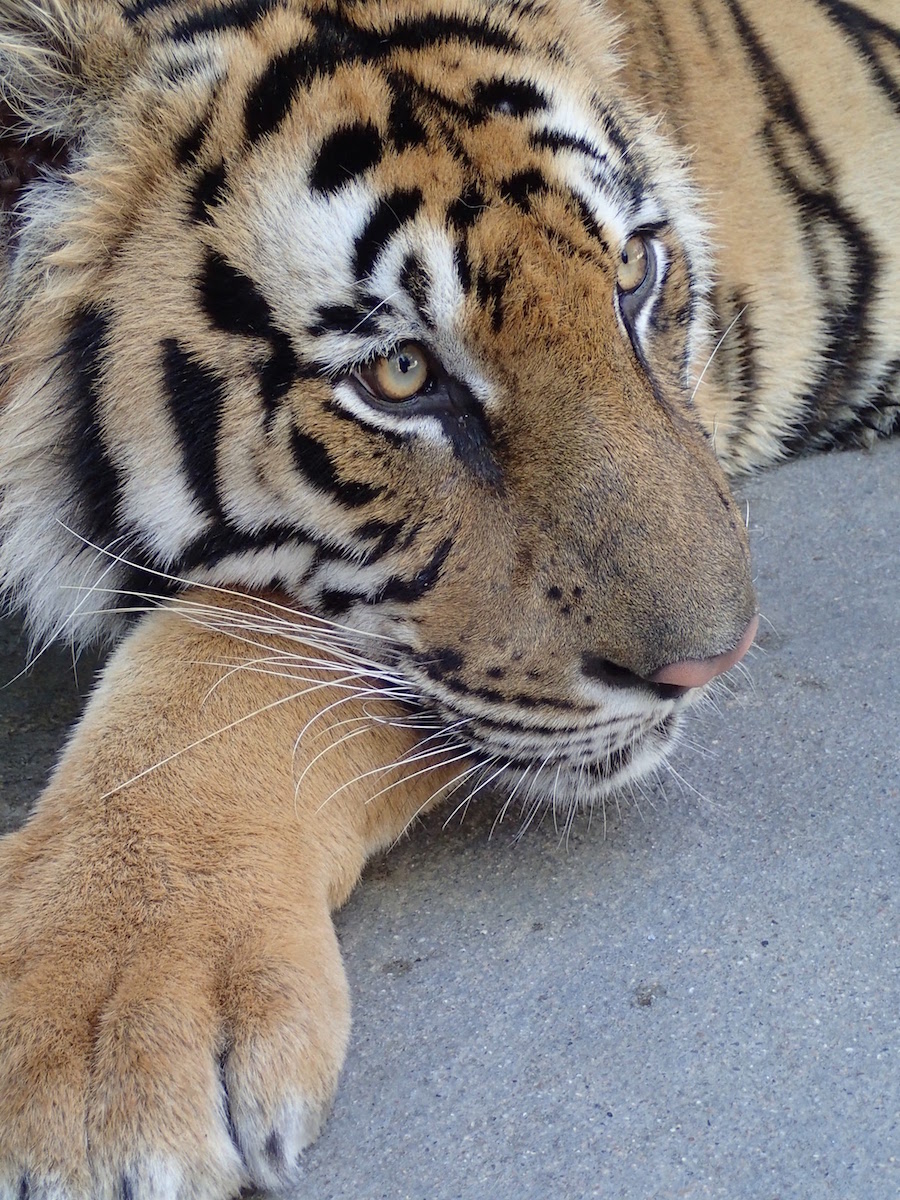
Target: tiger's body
x,y
442,319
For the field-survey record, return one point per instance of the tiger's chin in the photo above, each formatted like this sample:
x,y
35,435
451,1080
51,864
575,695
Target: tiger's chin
x,y
578,774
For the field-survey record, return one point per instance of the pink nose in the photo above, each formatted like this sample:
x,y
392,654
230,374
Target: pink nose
x,y
695,672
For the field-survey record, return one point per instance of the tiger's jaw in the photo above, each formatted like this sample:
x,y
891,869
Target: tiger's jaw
x,y
562,756
575,769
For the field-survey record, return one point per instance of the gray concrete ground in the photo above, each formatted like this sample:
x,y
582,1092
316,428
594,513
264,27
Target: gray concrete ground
x,y
704,1000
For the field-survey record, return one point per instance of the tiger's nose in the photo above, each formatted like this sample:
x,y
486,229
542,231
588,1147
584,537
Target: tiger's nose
x,y
675,678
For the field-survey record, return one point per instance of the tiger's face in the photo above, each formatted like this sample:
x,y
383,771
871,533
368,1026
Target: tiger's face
x,y
399,314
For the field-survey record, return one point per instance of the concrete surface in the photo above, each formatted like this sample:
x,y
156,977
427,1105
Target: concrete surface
x,y
704,1002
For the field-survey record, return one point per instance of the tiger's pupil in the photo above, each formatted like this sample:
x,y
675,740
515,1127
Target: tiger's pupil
x,y
402,374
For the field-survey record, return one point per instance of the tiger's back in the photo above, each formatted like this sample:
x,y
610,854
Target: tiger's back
x,y
790,115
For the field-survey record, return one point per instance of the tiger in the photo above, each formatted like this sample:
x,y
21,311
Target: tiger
x,y
372,377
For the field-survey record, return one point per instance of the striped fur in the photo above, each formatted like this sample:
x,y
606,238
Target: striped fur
x,y
623,238
241,204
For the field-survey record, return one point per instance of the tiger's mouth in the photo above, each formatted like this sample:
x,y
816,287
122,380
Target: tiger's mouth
x,y
570,768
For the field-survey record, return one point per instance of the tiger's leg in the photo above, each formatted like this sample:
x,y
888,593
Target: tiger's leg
x,y
173,1007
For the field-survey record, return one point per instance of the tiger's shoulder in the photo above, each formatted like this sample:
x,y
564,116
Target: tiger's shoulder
x,y
790,115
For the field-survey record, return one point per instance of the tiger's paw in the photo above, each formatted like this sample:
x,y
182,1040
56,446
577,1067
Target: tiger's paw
x,y
152,1056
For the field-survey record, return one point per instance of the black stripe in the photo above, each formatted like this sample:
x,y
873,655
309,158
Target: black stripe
x,y
611,130
405,126
338,42
189,146
490,290
422,33
343,318
552,139
139,8
407,591
606,768
376,436
513,97
519,188
387,533
839,252
236,14
271,96
505,725
522,8
344,155
317,466
234,304
91,466
336,602
142,580
445,660
465,210
463,266
232,300
877,43
705,27
390,215
737,355
279,372
195,397
588,221
209,191
415,282
223,541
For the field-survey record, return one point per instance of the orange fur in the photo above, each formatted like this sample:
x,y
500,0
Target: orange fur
x,y
196,903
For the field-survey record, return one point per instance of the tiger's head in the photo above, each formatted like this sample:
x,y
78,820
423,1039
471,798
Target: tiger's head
x,y
397,306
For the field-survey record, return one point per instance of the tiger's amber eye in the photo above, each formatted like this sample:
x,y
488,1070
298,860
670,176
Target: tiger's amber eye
x,y
401,374
633,264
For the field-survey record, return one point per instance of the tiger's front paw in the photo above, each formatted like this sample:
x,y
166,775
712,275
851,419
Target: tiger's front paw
x,y
153,1049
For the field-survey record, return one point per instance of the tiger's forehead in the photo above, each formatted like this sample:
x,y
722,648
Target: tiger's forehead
x,y
359,163
351,86
401,242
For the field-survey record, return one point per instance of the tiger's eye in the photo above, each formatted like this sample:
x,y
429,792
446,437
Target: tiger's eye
x,y
401,374
633,264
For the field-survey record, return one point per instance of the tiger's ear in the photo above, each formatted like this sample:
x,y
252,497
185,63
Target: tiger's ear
x,y
59,59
